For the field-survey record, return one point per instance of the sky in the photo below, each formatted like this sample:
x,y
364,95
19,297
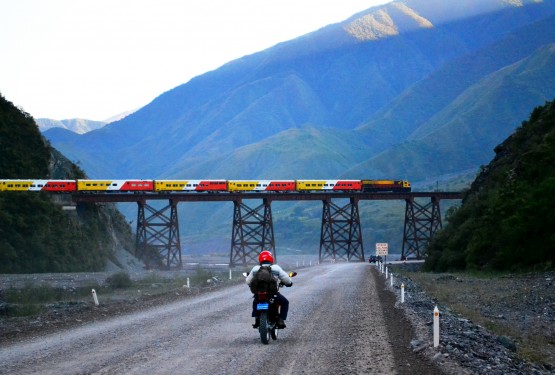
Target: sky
x,y
95,59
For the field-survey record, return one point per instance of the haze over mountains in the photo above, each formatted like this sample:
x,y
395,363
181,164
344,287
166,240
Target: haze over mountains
x,y
77,125
414,89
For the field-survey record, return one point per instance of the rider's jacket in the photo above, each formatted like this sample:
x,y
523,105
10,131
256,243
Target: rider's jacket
x,y
278,273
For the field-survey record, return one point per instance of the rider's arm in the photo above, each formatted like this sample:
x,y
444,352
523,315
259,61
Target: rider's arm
x,y
251,275
283,276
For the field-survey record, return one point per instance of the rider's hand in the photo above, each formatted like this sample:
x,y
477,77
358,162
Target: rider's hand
x,y
290,285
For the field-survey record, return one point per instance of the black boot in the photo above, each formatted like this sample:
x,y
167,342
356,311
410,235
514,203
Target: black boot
x,y
281,324
256,323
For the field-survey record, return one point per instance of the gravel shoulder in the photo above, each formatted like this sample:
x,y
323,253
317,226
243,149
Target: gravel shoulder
x,y
503,324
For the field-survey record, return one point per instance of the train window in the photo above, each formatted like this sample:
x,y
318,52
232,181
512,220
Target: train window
x,y
188,185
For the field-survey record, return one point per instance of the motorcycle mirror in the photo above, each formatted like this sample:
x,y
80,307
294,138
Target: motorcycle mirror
x,y
292,274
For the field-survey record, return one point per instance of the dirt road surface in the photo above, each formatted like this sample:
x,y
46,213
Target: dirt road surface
x,y
341,321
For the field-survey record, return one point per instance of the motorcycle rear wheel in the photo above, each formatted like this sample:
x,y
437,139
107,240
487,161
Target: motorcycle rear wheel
x,y
263,329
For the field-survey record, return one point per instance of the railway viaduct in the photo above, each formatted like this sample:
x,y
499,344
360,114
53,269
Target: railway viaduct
x,y
252,229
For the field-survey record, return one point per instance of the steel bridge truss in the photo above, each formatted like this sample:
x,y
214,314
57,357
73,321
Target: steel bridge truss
x,y
341,237
421,223
252,232
158,236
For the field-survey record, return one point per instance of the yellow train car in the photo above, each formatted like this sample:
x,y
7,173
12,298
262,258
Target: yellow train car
x,y
190,185
114,185
16,185
328,185
244,185
261,185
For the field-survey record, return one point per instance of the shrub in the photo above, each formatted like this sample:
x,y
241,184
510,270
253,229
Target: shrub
x,y
120,280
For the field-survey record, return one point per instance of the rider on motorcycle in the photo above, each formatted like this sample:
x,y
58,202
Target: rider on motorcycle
x,y
265,258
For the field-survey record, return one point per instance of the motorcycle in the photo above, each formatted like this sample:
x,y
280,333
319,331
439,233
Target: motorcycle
x,y
268,309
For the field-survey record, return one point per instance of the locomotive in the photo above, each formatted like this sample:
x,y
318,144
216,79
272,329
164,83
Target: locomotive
x,y
230,186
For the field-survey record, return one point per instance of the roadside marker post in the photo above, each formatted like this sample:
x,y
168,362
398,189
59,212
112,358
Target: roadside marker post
x,y
436,327
230,273
188,284
386,271
391,279
403,293
95,298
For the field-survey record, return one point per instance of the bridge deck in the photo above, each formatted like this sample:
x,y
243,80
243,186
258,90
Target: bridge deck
x,y
222,197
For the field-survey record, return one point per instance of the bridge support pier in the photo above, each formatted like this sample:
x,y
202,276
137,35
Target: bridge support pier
x,y
158,233
421,223
341,237
253,231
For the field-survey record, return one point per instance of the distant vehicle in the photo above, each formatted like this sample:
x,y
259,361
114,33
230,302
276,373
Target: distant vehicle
x,y
374,259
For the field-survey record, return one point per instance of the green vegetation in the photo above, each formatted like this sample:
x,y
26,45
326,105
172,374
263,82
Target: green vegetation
x,y
36,235
506,220
24,152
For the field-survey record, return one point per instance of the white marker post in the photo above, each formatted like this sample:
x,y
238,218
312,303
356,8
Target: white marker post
x,y
188,284
402,293
230,273
386,272
391,279
95,298
436,327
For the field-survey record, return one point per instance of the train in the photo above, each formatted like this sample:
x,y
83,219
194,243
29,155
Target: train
x,y
206,186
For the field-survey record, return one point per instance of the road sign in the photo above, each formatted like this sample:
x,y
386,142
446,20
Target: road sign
x,y
381,249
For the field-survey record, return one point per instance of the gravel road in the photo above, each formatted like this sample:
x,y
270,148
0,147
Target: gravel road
x,y
341,322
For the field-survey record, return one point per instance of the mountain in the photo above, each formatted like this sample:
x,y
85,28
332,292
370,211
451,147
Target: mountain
x,y
417,89
76,125
370,72
474,121
506,220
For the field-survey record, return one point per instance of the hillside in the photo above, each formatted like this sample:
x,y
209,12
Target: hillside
x,y
506,220
36,234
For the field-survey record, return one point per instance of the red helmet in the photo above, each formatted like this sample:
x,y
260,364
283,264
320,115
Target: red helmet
x,y
266,256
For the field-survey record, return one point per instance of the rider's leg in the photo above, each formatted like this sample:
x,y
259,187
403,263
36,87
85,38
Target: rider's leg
x,y
284,306
255,313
